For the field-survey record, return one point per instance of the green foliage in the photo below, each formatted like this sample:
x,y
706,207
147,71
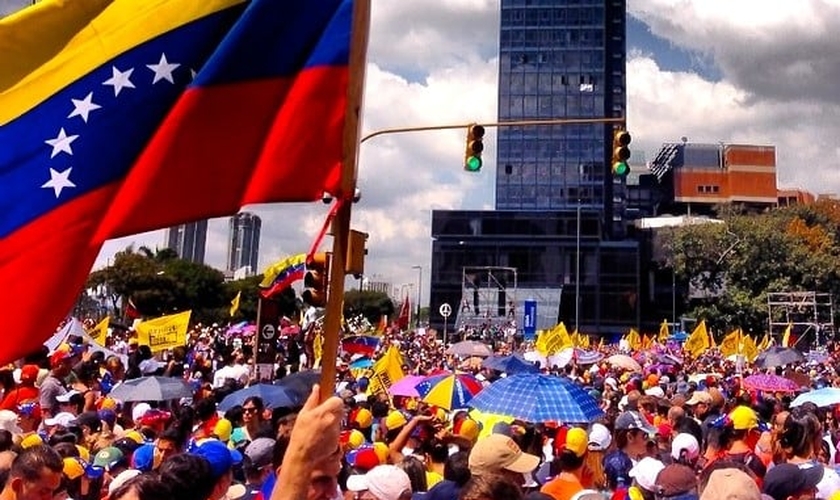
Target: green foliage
x,y
749,256
372,305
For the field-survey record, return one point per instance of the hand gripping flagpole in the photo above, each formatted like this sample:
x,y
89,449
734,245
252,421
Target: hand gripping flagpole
x,y
341,222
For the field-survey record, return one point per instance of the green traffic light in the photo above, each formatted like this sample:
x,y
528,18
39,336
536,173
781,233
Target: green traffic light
x,y
473,164
620,168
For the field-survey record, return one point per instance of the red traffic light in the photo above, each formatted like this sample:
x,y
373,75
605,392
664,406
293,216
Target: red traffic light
x,y
316,280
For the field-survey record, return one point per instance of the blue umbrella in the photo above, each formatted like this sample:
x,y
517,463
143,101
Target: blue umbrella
x,y
538,398
361,364
274,396
827,396
510,364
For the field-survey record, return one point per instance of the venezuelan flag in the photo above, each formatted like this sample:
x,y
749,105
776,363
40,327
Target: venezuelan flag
x,y
121,116
283,273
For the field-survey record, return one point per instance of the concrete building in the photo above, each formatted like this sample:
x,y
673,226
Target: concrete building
x,y
188,240
244,243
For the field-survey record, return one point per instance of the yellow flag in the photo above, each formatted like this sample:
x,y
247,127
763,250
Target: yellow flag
x,y
664,334
234,304
386,371
786,336
165,332
698,341
583,341
318,348
731,344
634,340
749,349
100,331
601,343
554,340
765,342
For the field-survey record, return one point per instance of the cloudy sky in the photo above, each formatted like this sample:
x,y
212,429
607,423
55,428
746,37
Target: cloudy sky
x,y
749,71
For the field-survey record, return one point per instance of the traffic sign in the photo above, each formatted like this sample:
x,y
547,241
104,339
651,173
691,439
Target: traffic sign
x,y
268,332
445,310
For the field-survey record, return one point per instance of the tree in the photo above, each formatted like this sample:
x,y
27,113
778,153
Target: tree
x,y
737,263
372,305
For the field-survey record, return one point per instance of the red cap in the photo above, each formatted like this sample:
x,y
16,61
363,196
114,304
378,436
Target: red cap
x,y
29,373
366,459
58,356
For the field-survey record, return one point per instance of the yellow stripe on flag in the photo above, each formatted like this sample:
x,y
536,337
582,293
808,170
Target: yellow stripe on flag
x,y
47,46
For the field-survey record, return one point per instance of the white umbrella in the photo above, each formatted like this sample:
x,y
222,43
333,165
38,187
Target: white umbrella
x,y
827,396
624,361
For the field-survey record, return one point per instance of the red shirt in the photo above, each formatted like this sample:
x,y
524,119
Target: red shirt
x,y
18,396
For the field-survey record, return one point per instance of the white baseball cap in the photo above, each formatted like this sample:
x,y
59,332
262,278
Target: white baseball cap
x,y
599,437
687,443
384,482
645,472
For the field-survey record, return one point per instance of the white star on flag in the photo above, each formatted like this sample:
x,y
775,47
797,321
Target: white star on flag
x,y
119,80
59,181
83,107
61,144
163,70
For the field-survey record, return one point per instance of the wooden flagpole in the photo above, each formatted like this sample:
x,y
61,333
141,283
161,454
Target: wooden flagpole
x,y
341,222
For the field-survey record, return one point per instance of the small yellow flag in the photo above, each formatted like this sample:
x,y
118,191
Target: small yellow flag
x,y
234,304
100,331
664,334
731,344
698,341
554,340
634,340
786,336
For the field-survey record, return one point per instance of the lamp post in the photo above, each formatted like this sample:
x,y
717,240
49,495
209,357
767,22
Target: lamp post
x,y
419,292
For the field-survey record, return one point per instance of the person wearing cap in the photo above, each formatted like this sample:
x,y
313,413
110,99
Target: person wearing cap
x,y
61,362
685,450
25,391
600,440
632,433
676,482
500,455
383,482
112,461
644,475
741,433
29,418
221,460
728,483
258,458
791,482
569,459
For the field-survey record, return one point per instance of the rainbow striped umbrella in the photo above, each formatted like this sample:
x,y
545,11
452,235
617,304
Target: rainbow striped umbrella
x,y
450,391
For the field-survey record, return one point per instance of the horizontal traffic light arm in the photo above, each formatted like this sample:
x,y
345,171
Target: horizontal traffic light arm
x,y
512,123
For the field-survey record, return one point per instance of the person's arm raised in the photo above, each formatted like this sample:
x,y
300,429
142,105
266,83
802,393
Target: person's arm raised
x,y
314,439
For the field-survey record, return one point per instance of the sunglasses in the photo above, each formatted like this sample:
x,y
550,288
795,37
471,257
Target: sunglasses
x,y
249,410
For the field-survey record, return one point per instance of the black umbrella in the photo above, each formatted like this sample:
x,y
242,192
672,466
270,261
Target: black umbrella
x,y
299,385
778,356
152,389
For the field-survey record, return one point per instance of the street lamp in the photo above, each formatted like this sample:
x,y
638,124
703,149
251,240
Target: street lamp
x,y
419,291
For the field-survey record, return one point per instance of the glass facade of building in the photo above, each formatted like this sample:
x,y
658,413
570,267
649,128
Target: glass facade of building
x,y
188,240
244,242
542,247
560,59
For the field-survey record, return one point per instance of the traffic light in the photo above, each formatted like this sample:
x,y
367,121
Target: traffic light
x,y
316,280
355,262
620,152
475,145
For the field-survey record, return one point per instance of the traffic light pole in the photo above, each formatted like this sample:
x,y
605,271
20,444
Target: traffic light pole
x,y
512,123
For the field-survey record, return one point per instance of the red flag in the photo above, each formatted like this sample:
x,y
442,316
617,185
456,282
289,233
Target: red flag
x,y
405,314
131,311
141,115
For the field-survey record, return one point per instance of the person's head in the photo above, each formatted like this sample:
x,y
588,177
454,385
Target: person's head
x,y
61,363
792,482
457,468
745,426
644,473
676,481
699,403
570,449
383,482
500,455
36,474
188,477
801,434
416,471
491,487
142,487
258,459
252,410
685,449
632,433
29,416
221,460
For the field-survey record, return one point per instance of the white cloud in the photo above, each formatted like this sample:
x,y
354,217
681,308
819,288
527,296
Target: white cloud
x,y
445,50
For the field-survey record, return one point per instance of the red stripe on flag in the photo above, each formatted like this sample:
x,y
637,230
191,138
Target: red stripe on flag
x,y
225,146
51,253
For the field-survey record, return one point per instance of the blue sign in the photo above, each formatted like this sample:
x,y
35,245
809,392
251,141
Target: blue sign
x,y
529,326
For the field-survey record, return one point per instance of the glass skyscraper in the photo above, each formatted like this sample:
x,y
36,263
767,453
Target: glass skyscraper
x,y
559,218
188,240
560,59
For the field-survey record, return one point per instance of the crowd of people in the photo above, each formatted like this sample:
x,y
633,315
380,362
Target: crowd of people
x,y
681,430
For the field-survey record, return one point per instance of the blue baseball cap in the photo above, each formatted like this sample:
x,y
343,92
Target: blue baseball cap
x,y
143,458
221,458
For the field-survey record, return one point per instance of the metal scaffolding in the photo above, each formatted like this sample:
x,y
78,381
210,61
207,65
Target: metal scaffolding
x,y
809,314
488,297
